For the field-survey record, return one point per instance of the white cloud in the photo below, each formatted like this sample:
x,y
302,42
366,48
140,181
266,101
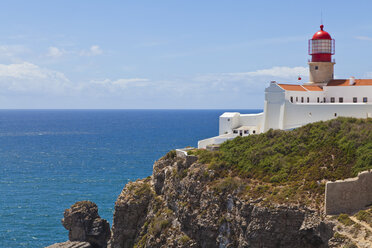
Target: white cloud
x,y
28,77
13,52
207,84
280,71
219,90
274,73
363,38
93,51
118,85
55,52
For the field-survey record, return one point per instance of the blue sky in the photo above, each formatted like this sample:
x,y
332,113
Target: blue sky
x,y
168,54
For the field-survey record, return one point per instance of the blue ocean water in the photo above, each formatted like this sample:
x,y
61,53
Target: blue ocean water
x,y
50,159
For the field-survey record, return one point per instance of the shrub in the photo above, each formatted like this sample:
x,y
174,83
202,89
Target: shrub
x,y
228,184
331,150
171,154
142,190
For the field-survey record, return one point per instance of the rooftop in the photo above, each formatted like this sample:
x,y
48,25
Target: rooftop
x,y
335,82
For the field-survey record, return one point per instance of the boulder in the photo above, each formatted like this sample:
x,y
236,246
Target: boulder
x,y
85,225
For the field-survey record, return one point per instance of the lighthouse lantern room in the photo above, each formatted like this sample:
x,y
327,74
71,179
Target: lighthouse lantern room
x,y
321,49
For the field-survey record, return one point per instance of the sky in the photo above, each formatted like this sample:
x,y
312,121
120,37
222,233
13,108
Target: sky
x,y
169,54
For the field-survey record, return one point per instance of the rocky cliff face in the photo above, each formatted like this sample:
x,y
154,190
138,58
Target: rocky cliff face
x,y
185,204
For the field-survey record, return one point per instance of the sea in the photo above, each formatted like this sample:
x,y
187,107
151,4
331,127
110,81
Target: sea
x,y
49,159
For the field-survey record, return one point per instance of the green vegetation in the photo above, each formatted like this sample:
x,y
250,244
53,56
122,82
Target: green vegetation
x,y
157,224
297,162
365,215
184,239
144,189
227,184
345,219
171,154
160,222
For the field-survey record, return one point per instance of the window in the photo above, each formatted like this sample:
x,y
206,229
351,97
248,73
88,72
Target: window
x,y
355,99
317,99
302,99
341,99
308,99
254,131
246,132
235,131
291,98
324,99
321,46
316,67
296,98
228,119
332,99
365,99
335,114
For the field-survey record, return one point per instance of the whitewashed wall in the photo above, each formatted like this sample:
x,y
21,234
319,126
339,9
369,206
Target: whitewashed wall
x,y
348,92
297,115
228,121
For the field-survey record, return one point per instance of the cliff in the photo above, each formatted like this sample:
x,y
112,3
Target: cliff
x,y
260,191
183,205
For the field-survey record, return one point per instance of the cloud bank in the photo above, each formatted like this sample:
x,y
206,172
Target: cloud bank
x,y
218,90
30,78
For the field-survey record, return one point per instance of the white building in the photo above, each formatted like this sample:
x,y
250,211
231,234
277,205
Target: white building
x,y
289,106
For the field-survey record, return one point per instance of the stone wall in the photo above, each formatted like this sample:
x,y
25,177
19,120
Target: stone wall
x,y
350,195
182,153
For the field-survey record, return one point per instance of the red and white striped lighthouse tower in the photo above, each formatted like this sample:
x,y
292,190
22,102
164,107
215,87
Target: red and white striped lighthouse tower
x,y
321,49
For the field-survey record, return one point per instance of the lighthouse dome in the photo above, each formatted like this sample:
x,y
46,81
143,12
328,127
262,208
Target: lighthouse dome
x,y
321,34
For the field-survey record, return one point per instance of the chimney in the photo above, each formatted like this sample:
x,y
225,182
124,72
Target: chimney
x,y
352,81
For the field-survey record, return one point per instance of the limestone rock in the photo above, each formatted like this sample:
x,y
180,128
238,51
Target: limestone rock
x,y
177,207
130,213
71,244
84,224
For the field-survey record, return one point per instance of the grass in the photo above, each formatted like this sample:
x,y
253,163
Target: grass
x,y
301,159
365,215
345,219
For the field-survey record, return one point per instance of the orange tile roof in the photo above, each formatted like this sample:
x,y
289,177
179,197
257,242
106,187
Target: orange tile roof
x,y
313,87
345,82
296,87
292,87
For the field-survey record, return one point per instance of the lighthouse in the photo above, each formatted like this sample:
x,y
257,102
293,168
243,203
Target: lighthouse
x,y
321,49
288,106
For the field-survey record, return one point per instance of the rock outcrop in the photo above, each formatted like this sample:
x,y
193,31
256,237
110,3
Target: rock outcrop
x,y
85,226
184,204
71,244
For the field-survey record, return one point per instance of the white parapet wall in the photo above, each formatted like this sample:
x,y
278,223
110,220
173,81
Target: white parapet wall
x,y
202,144
350,195
182,152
